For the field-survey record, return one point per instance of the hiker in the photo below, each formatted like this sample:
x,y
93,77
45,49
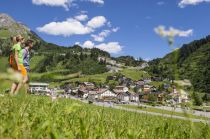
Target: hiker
x,y
16,62
26,56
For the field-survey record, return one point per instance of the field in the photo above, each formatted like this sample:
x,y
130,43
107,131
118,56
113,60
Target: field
x,y
101,78
25,116
134,74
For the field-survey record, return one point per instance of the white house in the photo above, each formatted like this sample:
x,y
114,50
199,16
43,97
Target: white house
x,y
123,96
106,94
119,89
147,80
101,94
39,87
180,96
87,85
92,95
134,97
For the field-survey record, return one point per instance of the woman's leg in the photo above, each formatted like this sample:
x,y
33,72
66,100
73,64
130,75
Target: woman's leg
x,y
24,75
25,83
13,88
18,88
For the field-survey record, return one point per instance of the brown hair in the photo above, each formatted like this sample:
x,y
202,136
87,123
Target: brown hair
x,y
28,42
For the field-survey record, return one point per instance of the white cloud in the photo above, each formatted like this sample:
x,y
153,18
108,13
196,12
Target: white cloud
x,y
105,33
88,44
63,3
101,36
65,28
97,1
115,29
172,32
184,3
73,26
97,22
77,43
109,24
81,17
160,3
111,47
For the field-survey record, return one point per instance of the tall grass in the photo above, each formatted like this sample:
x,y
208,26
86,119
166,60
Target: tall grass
x,y
26,116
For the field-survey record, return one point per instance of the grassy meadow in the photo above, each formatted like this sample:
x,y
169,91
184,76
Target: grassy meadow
x,y
26,116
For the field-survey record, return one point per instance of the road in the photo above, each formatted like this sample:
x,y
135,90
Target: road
x,y
102,104
194,112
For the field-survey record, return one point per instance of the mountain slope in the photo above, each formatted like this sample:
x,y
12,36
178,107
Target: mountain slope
x,y
48,56
192,61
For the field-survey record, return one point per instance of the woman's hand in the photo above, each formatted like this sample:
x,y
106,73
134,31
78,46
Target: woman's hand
x,y
18,66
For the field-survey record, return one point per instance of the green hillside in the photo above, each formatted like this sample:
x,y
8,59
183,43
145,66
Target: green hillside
x,y
129,61
192,61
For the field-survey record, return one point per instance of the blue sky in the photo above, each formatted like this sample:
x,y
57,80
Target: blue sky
x,y
122,27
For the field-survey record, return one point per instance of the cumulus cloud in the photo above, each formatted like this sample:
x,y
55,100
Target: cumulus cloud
x,y
111,47
101,2
81,17
101,36
65,28
73,26
88,44
97,22
184,3
105,33
172,32
63,3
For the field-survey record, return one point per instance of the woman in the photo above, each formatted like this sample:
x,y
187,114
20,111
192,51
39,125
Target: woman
x,y
18,64
26,60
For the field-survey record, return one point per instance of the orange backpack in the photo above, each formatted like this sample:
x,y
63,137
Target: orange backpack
x,y
12,61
